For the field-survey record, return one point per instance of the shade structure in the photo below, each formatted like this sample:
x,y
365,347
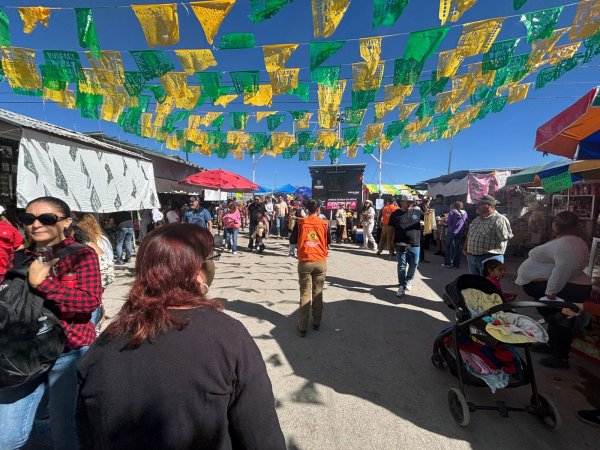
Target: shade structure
x,y
220,179
579,170
573,133
263,190
303,191
286,189
389,189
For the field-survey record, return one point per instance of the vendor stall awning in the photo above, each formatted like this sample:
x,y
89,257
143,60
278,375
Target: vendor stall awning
x,y
579,170
389,189
89,178
165,186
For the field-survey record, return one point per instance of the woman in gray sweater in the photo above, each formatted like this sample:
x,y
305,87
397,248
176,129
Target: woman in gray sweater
x,y
556,269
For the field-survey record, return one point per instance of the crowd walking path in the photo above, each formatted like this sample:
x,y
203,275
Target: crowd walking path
x,y
365,380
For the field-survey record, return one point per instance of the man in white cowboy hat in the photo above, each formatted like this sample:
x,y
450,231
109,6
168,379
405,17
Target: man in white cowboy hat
x,y
367,220
406,221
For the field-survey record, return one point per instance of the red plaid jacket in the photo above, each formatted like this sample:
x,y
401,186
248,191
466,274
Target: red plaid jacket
x,y
73,306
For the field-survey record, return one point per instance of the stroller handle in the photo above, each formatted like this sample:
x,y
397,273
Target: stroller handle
x,y
520,304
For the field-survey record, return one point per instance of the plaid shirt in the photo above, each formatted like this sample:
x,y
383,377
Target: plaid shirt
x,y
73,306
489,235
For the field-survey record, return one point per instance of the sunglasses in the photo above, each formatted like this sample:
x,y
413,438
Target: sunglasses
x,y
215,256
44,219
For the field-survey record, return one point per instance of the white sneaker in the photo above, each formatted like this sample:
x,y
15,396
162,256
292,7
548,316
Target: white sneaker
x,y
400,292
408,286
235,253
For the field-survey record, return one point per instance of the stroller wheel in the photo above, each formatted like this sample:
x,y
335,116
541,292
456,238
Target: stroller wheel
x,y
438,361
547,412
459,407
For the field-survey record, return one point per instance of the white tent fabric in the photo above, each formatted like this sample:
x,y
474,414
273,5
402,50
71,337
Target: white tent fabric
x,y
89,179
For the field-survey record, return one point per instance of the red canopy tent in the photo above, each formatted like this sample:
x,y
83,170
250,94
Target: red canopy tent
x,y
573,132
221,180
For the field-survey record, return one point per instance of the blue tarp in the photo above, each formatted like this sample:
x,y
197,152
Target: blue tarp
x,y
303,191
287,189
263,190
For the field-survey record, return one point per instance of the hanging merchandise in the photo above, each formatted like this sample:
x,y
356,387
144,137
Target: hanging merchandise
x,y
321,51
277,55
86,31
211,14
194,61
327,15
233,41
160,23
587,20
453,10
540,24
265,9
387,12
31,15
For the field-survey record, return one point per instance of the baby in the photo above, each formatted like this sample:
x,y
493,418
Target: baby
x,y
494,271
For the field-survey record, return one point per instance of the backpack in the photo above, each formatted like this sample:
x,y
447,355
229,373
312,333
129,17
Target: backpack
x,y
31,336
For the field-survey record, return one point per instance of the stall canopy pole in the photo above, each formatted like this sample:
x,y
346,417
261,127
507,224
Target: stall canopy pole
x,y
380,169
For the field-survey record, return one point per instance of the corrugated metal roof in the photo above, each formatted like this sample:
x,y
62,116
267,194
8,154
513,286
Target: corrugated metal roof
x,y
22,121
463,173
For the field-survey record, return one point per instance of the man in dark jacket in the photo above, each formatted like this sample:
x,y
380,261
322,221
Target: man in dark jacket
x,y
406,221
256,210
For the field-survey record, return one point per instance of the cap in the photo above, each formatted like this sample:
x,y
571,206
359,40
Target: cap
x,y
194,198
368,202
407,198
487,199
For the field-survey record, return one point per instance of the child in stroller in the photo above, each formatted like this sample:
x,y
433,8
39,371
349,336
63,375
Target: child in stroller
x,y
483,348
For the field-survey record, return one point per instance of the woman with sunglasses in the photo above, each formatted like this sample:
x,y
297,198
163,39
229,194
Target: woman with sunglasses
x,y
72,289
172,371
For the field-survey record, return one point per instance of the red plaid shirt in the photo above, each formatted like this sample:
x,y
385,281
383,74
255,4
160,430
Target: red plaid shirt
x,y
74,306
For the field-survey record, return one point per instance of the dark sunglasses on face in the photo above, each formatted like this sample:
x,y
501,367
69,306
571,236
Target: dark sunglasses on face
x,y
44,219
215,256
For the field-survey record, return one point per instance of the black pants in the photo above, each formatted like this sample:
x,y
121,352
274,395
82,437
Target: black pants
x,y
339,232
560,329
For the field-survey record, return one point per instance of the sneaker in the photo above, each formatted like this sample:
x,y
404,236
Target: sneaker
x,y
408,286
590,416
400,292
301,333
554,363
234,253
447,266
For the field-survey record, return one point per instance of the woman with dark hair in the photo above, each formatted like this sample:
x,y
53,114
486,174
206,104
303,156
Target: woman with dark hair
x,y
173,371
556,269
72,290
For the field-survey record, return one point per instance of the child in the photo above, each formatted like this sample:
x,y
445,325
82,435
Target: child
x,y
494,271
260,232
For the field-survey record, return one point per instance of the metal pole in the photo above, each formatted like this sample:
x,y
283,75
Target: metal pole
x,y
380,163
253,167
450,156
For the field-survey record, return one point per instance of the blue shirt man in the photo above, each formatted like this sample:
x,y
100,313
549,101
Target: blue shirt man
x,y
198,214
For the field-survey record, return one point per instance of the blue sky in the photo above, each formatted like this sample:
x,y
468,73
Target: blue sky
x,y
501,140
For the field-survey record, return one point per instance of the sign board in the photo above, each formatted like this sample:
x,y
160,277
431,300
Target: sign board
x,y
348,203
338,184
557,183
378,203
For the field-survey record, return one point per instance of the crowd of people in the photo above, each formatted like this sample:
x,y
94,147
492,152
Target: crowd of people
x,y
69,260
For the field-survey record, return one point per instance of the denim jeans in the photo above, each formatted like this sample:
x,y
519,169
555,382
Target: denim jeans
x,y
410,259
279,225
16,416
476,262
124,235
231,235
453,250
251,227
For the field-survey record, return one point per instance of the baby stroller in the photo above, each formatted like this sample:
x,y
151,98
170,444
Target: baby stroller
x,y
446,353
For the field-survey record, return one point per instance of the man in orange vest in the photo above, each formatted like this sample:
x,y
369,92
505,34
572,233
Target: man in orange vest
x,y
313,239
387,231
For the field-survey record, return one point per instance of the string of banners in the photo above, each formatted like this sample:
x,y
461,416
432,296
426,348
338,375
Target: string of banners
x,y
169,104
